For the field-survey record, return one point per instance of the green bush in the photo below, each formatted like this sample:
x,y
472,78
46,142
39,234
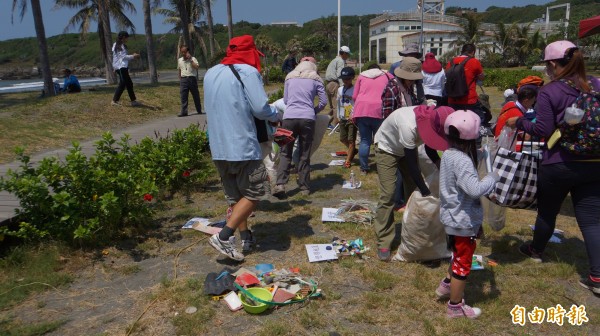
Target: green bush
x,y
93,200
276,75
492,60
504,79
277,95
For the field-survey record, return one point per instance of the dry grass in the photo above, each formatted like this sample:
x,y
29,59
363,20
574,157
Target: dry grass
x,y
362,296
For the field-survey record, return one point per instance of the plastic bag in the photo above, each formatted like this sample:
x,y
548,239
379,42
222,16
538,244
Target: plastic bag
x,y
506,138
423,235
493,214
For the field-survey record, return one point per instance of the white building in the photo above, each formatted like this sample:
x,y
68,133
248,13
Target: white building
x,y
393,32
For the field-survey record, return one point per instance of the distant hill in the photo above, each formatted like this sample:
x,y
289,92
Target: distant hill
x,y
580,9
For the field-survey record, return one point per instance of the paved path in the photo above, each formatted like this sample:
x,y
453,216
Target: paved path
x,y
9,202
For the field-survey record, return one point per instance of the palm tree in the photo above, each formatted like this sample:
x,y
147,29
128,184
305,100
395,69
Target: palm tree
x,y
209,21
40,32
150,40
195,11
229,20
183,7
100,11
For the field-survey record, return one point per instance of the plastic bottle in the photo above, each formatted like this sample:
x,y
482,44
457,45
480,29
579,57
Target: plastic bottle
x,y
352,179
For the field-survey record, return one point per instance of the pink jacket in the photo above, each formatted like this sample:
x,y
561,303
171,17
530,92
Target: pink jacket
x,y
367,93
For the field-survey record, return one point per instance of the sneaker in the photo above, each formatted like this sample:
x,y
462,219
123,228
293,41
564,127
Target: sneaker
x,y
279,191
384,254
182,115
462,310
330,127
226,247
443,291
590,284
527,250
363,172
248,244
115,103
135,103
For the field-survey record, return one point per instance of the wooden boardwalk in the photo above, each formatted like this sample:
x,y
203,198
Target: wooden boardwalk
x,y
9,202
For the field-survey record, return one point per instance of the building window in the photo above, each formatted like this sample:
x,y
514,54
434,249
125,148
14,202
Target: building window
x,y
431,45
432,39
439,45
382,30
441,39
413,27
373,32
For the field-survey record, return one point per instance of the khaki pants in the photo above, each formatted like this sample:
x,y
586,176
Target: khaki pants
x,y
387,165
332,89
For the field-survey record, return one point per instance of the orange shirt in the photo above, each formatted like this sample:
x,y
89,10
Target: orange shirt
x,y
509,110
473,69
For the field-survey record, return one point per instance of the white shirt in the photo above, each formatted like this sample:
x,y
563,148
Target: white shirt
x,y
398,131
433,84
186,66
345,103
120,57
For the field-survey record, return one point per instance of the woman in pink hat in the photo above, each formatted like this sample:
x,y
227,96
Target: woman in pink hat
x,y
397,141
563,171
434,80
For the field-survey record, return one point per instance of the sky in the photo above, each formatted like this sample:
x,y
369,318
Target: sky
x,y
261,11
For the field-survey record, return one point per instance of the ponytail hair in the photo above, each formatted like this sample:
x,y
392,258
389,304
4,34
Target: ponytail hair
x,y
574,68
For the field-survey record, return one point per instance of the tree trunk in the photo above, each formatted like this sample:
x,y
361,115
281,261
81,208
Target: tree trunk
x,y
211,34
229,20
150,43
104,18
185,24
41,37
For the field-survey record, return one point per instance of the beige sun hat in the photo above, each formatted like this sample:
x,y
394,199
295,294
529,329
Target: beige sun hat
x,y
410,69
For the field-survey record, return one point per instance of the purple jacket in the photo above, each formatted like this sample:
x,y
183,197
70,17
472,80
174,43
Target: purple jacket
x,y
299,96
552,100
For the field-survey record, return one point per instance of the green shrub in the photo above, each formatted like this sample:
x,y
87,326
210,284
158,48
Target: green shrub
x,y
92,200
492,60
276,75
276,95
504,79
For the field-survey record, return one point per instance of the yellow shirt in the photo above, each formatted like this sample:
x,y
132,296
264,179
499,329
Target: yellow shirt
x,y
186,66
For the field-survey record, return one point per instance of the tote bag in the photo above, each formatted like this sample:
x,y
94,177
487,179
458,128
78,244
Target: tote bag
x,y
517,187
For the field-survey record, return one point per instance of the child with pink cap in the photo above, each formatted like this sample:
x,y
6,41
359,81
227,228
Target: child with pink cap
x,y
460,209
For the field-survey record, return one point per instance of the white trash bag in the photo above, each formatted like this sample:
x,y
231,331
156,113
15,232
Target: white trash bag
x,y
423,235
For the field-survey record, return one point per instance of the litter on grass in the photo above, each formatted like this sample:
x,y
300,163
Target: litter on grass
x,y
339,154
330,215
272,288
354,247
320,252
350,185
337,162
357,211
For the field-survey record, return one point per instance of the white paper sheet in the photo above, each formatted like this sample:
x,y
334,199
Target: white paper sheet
x,y
337,162
320,252
329,215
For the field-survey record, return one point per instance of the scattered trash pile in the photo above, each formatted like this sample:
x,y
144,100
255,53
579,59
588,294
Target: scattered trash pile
x,y
259,288
349,247
357,211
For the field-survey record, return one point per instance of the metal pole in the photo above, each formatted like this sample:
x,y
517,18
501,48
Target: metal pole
x,y
359,44
339,38
422,27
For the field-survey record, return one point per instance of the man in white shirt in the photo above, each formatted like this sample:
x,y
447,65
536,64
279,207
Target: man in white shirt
x,y
187,81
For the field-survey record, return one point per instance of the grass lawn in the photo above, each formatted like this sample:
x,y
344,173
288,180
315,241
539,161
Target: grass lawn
x,y
362,296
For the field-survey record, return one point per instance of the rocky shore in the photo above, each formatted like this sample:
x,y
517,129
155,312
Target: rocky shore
x,y
21,72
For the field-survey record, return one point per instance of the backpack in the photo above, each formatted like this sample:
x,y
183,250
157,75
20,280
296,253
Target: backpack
x,y
456,80
583,138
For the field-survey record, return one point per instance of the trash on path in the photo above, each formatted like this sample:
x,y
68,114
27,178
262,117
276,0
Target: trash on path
x,y
477,263
204,225
339,154
351,185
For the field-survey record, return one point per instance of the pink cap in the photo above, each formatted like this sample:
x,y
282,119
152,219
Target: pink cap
x,y
466,122
308,58
557,50
430,125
